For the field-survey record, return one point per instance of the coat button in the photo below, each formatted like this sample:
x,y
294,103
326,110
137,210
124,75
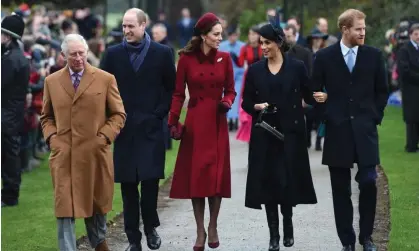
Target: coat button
x,y
295,106
351,100
295,90
212,73
352,117
296,122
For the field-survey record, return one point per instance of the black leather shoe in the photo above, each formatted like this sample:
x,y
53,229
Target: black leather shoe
x,y
348,248
288,232
369,245
134,247
153,238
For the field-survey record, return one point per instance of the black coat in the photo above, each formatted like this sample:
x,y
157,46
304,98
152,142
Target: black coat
x,y
139,150
408,68
301,53
14,87
290,118
355,104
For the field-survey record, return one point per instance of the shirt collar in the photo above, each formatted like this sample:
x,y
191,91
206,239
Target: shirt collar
x,y
414,44
72,72
345,49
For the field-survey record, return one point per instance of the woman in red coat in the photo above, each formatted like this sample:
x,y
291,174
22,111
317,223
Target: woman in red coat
x,y
203,163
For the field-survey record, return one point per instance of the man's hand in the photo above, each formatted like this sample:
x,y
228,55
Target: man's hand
x,y
320,97
105,138
260,107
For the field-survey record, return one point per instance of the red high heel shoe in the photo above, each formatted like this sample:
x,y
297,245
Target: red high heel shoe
x,y
197,248
214,244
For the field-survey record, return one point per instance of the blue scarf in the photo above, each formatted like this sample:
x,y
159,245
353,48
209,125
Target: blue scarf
x,y
137,52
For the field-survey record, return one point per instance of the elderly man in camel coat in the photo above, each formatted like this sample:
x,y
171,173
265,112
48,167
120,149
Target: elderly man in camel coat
x,y
82,115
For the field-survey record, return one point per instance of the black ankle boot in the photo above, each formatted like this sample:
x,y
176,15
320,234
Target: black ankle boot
x,y
288,232
273,224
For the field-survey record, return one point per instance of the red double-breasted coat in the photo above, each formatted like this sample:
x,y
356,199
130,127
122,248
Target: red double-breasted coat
x,y
203,162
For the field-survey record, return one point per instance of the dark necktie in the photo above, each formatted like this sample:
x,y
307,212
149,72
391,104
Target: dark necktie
x,y
76,82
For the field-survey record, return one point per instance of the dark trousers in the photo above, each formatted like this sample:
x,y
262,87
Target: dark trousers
x,y
412,137
10,168
341,191
133,203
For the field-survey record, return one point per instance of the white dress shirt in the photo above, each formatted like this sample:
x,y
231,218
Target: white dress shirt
x,y
345,51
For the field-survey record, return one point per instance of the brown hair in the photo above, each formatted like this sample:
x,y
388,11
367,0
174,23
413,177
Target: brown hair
x,y
196,41
292,28
413,28
348,17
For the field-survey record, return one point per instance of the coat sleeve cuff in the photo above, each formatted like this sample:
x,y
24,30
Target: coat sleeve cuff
x,y
227,101
173,119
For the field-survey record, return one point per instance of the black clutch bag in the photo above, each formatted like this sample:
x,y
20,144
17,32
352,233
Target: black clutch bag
x,y
267,127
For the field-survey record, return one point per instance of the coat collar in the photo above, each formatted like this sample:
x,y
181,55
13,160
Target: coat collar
x,y
85,82
210,57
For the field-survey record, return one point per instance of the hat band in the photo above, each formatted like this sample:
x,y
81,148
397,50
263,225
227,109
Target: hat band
x,y
11,33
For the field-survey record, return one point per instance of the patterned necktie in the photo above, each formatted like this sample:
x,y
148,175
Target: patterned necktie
x,y
351,60
76,80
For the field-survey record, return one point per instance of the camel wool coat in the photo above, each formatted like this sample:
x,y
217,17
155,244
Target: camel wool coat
x,y
81,161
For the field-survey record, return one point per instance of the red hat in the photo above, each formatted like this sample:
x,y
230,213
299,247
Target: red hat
x,y
205,22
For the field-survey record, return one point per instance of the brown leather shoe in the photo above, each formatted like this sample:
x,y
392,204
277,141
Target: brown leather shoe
x,y
103,246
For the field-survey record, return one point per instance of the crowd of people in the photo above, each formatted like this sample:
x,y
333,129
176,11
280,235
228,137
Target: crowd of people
x,y
67,90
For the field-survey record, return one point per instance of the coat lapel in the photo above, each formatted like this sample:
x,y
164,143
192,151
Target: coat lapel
x,y
66,82
359,58
338,58
85,82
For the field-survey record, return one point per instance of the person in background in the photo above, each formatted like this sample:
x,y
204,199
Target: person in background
x,y
202,167
15,71
80,160
315,42
408,68
323,26
162,19
185,27
295,21
159,32
146,73
233,45
355,78
249,54
297,51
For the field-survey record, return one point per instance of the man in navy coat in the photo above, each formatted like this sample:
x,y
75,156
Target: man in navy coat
x,y
354,77
145,73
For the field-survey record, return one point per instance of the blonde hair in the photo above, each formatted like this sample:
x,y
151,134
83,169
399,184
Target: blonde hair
x,y
348,17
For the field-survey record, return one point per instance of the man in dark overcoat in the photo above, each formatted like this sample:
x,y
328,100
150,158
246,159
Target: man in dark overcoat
x,y
355,78
145,73
15,71
408,68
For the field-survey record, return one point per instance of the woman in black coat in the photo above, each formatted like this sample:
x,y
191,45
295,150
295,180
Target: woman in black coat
x,y
279,171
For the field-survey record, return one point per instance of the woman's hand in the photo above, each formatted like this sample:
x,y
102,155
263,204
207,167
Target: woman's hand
x,y
320,97
260,107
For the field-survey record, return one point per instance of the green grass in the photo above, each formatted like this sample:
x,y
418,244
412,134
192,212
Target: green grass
x,y
32,225
402,170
